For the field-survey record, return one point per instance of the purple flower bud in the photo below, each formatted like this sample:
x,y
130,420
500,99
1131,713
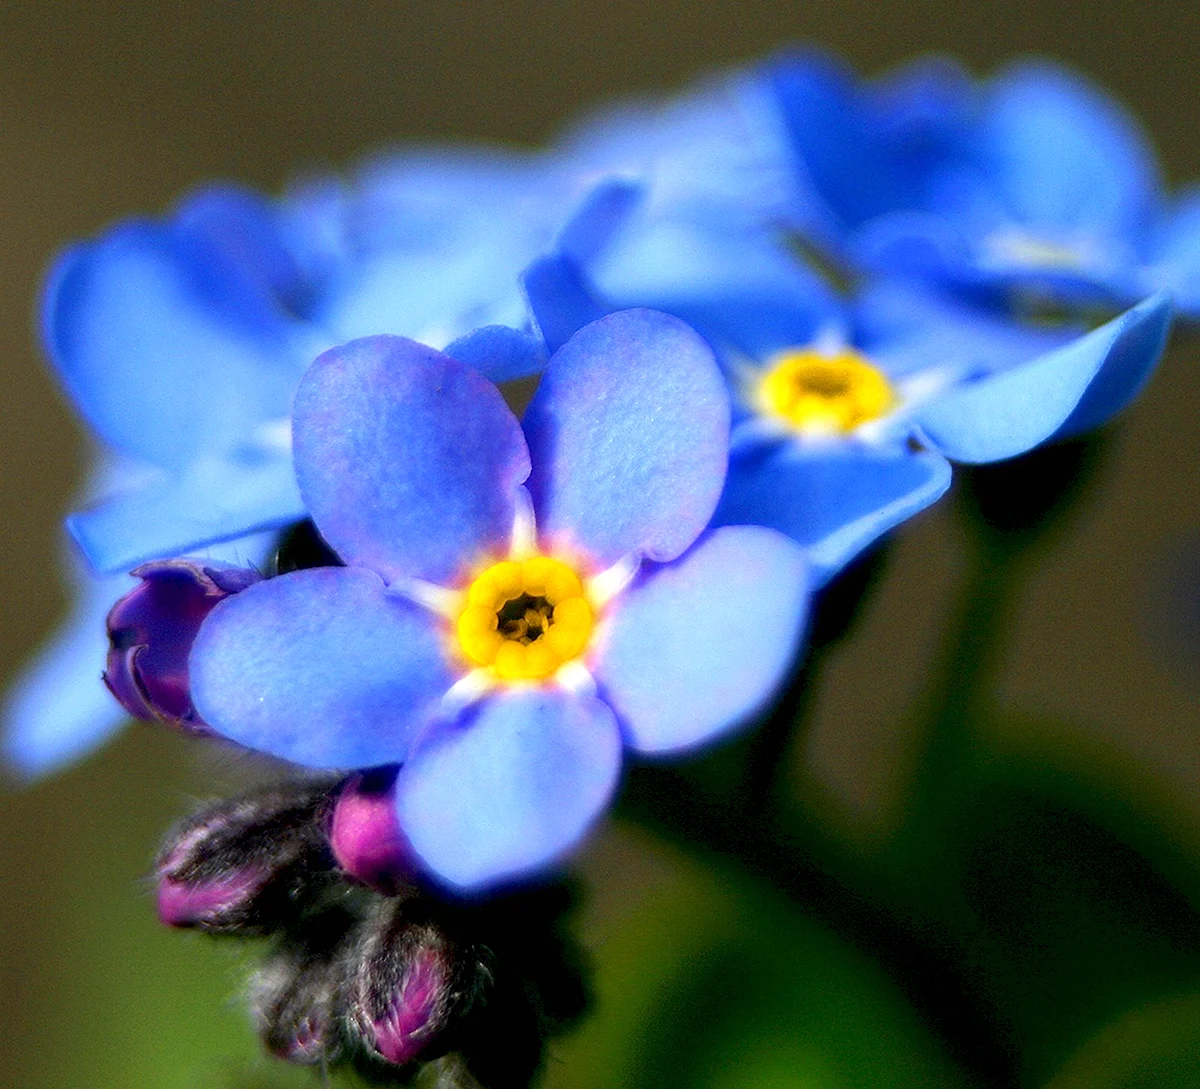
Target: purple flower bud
x,y
248,864
408,989
151,631
365,833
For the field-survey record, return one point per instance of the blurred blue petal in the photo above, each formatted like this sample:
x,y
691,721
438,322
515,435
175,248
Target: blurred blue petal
x,y
834,501
629,435
697,647
1064,391
324,667
409,460
210,501
500,352
511,788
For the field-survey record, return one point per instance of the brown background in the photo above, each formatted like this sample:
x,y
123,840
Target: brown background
x,y
111,109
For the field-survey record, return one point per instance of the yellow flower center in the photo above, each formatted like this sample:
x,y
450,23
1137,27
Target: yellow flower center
x,y
525,618
824,394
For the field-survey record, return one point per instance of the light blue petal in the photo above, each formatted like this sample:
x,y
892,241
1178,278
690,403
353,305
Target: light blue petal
x,y
213,500
698,647
162,348
499,353
1055,395
408,460
58,709
629,435
601,212
323,667
1063,155
834,502
1173,263
737,286
906,328
511,788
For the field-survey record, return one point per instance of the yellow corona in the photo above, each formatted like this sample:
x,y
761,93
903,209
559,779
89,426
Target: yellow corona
x,y
824,393
523,619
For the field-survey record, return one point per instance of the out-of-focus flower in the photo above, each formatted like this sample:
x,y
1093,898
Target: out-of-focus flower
x,y
847,415
1034,182
503,641
182,341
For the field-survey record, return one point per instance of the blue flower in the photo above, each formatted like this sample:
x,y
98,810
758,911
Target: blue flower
x,y
518,603
847,415
1034,182
182,341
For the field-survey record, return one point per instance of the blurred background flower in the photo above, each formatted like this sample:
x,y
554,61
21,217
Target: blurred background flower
x,y
703,975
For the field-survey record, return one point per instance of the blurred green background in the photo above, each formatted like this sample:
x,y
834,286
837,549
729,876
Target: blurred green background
x,y
112,109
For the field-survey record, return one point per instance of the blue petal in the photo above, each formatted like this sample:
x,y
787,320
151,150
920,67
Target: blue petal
x,y
1061,154
162,347
697,647
561,298
499,353
738,286
1058,394
599,215
629,434
836,501
1174,258
214,500
409,461
511,788
324,667
58,709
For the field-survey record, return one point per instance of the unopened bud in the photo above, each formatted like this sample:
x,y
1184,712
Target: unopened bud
x,y
365,833
151,631
248,864
409,988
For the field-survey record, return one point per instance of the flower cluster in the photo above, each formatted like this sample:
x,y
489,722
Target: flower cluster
x,y
490,611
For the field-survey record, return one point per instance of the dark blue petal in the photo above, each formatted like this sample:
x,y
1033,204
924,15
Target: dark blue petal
x,y
163,349
835,501
697,647
629,434
213,500
601,213
511,788
323,667
1065,391
409,461
561,298
499,353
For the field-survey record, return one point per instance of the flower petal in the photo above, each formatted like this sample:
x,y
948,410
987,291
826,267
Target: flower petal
x,y
629,435
214,500
511,788
409,460
161,347
1057,394
834,503
58,709
499,353
323,667
697,647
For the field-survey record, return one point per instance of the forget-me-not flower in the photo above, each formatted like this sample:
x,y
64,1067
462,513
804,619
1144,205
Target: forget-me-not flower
x,y
520,602
1034,182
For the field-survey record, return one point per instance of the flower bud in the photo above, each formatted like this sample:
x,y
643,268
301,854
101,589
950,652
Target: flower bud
x,y
151,631
409,988
250,864
365,832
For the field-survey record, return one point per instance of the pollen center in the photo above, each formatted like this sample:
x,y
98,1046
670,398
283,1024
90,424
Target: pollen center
x,y
525,618
824,394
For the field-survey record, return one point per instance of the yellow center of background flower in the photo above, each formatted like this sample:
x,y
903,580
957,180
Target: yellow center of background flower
x,y
824,394
523,619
